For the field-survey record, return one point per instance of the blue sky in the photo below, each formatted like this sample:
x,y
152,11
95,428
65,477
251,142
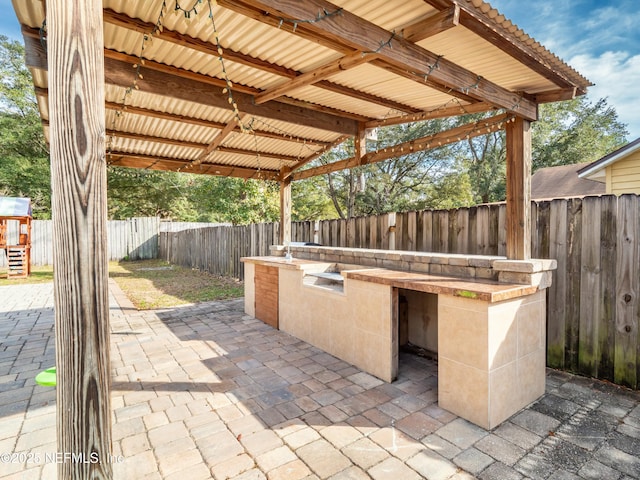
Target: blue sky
x,y
600,39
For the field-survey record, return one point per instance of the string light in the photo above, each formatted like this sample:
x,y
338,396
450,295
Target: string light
x,y
187,13
475,86
321,16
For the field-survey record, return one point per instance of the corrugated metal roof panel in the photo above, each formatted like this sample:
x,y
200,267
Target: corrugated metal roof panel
x,y
463,47
289,54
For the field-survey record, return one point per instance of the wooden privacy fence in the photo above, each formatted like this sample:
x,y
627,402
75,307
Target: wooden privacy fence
x,y
592,307
135,239
218,249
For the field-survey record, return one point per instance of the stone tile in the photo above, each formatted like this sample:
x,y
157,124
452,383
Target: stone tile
x,y
232,467
594,470
295,470
432,466
397,443
178,458
461,433
260,442
500,449
167,433
365,380
365,453
535,466
220,447
275,458
499,471
517,435
536,422
473,460
418,425
326,397
301,437
621,461
323,458
340,434
351,473
253,474
393,469
135,444
441,446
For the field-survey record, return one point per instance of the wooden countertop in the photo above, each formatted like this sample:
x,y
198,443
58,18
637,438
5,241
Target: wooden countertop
x,y
477,289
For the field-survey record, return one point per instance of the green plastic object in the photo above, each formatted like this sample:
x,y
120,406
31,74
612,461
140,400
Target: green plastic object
x,y
47,378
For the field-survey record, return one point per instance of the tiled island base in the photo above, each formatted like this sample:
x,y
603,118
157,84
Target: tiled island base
x,y
491,356
490,335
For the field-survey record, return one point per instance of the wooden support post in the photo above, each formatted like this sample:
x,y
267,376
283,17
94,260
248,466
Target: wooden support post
x,y
79,206
518,219
360,144
285,211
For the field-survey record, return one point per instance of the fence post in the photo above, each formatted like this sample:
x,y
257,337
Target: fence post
x,y
392,230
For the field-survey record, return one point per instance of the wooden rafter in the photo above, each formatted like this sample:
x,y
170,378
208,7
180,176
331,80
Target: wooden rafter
x,y
437,23
418,31
348,30
257,14
421,144
481,24
36,58
124,159
195,145
124,21
188,89
444,112
556,95
221,137
174,117
313,156
314,76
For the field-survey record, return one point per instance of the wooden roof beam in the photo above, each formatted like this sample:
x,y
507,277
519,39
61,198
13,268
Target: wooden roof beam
x,y
302,31
124,159
199,146
556,95
161,67
433,25
222,135
195,145
120,73
314,76
349,30
443,112
174,117
289,171
440,139
479,23
135,24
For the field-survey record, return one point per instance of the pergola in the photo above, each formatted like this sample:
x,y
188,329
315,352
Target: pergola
x,y
252,89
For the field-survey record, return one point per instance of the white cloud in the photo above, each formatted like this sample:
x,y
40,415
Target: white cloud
x,y
616,76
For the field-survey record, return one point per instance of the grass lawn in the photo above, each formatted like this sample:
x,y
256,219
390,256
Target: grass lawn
x,y
154,283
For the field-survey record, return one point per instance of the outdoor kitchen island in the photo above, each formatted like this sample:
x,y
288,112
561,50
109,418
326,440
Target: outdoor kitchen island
x,y
484,316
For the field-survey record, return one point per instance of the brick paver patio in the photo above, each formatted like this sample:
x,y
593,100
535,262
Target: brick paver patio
x,y
204,391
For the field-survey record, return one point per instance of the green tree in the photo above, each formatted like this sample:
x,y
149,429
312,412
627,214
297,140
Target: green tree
x,y
24,157
408,182
235,200
575,131
142,193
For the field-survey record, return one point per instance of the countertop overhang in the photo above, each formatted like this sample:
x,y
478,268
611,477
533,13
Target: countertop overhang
x,y
476,289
